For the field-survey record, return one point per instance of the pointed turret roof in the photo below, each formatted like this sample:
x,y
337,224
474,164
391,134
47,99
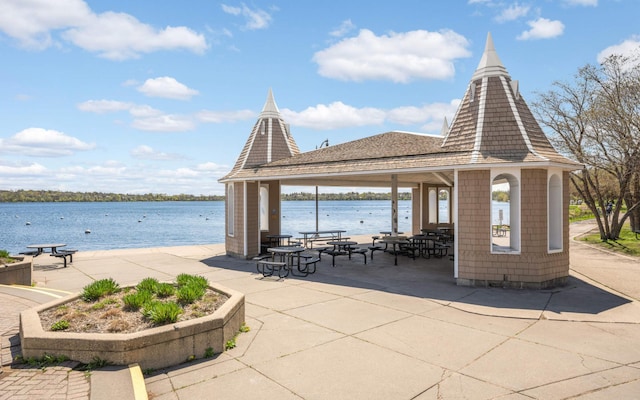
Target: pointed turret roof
x,y
493,125
493,122
270,140
490,63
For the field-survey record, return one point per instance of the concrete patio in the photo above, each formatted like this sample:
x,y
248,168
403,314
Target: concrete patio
x,y
380,331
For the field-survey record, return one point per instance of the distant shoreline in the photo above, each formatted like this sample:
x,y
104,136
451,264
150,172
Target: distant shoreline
x,y
52,196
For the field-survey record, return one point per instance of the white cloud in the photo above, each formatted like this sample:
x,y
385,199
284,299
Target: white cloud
x,y
398,57
109,106
166,87
104,176
592,3
31,22
542,28
43,143
146,118
104,106
254,19
335,115
144,152
513,12
212,167
339,115
164,123
420,115
345,27
628,48
21,171
144,111
115,36
225,116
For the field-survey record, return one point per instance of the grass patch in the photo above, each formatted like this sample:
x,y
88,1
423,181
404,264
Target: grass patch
x,y
5,257
579,213
165,290
97,289
42,362
60,325
131,309
135,301
626,243
162,313
148,285
189,294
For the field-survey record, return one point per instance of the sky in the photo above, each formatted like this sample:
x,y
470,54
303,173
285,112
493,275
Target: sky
x,y
160,96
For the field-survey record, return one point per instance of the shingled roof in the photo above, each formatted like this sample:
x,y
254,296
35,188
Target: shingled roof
x,y
493,125
270,140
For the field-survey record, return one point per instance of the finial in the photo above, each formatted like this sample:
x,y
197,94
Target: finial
x,y
270,108
490,63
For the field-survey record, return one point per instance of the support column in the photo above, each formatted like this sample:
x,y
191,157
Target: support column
x,y
394,205
456,225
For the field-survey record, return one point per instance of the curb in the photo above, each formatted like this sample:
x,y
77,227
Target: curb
x,y
122,383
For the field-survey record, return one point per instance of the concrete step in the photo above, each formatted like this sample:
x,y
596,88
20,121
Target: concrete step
x,y
118,382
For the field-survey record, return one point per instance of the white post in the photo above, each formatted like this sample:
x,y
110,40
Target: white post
x,y
316,209
456,226
394,205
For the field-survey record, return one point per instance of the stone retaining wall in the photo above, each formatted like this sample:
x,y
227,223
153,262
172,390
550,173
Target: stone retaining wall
x,y
154,348
18,273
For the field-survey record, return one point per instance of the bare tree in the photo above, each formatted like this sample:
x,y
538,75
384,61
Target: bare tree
x,y
596,120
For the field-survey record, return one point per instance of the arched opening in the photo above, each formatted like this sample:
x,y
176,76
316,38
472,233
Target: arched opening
x,y
439,204
444,206
263,199
231,213
554,213
505,213
433,206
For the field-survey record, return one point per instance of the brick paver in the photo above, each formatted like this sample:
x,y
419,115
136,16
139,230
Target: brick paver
x,y
21,381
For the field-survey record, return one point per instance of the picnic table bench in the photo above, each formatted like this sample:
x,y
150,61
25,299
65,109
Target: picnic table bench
x,y
64,254
55,251
637,232
309,237
267,264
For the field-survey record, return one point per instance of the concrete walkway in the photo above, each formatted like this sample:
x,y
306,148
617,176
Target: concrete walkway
x,y
377,331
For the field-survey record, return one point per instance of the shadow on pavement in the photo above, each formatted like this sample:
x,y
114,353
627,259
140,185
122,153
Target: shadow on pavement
x,y
433,279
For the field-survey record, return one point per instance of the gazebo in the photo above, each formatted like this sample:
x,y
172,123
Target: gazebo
x,y
493,140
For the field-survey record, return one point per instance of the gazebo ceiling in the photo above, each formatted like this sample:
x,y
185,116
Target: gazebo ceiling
x,y
407,180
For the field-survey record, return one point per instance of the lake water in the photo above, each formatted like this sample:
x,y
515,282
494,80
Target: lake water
x,y
156,224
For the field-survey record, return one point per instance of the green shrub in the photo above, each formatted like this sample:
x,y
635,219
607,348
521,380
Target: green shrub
x,y
190,293
97,289
43,362
186,279
60,325
5,257
162,313
165,290
135,301
148,284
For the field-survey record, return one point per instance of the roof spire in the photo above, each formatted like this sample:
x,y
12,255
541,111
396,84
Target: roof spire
x,y
270,108
445,127
490,64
